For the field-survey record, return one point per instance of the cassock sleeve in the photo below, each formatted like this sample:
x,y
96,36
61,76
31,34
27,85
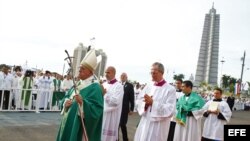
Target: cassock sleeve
x,y
220,116
225,111
113,98
165,107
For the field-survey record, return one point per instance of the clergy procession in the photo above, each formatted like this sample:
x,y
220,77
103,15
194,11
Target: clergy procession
x,y
94,110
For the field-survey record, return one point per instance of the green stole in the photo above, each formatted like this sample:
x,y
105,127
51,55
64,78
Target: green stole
x,y
57,95
27,85
57,85
194,102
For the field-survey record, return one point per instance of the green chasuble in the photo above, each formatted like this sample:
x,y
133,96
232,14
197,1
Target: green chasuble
x,y
57,94
27,84
183,106
70,128
57,84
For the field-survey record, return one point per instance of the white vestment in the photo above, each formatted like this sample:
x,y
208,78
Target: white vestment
x,y
17,90
155,121
178,95
67,84
112,111
190,132
45,90
214,127
136,94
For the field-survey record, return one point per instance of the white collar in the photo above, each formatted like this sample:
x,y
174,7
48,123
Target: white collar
x,y
85,83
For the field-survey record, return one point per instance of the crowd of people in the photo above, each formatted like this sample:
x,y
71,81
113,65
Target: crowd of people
x,y
241,104
96,110
235,103
28,89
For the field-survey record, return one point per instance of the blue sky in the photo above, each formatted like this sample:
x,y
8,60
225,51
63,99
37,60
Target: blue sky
x,y
133,33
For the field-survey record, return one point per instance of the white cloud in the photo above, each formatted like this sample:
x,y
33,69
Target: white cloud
x,y
133,33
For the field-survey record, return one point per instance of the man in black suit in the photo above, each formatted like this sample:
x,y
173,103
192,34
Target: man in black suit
x,y
230,101
127,105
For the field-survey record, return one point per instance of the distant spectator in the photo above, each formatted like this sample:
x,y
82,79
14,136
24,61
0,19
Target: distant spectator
x,y
6,82
230,101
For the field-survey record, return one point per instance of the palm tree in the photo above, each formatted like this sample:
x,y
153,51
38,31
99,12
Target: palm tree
x,y
179,76
232,80
203,84
225,81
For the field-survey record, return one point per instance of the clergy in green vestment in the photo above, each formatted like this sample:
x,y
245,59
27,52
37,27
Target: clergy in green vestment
x,y
58,94
188,127
87,100
184,107
27,84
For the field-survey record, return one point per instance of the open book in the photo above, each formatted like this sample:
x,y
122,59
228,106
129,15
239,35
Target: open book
x,y
213,106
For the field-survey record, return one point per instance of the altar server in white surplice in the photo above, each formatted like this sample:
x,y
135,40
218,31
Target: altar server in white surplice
x,y
113,96
17,89
217,113
45,84
156,107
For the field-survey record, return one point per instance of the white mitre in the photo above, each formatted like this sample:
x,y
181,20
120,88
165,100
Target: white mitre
x,y
90,60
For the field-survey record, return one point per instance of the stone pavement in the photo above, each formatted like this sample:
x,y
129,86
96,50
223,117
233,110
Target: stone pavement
x,y
30,126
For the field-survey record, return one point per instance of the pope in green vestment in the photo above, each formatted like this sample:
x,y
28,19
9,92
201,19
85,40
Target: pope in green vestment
x,y
89,96
70,128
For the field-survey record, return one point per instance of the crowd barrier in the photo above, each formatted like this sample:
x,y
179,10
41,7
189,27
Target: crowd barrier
x,y
36,100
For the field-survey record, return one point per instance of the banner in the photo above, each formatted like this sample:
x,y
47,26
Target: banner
x,y
237,88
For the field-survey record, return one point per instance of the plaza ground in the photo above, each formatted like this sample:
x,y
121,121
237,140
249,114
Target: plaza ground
x,y
30,126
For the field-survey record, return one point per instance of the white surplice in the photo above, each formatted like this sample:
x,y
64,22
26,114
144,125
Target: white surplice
x,y
112,111
45,91
178,95
17,90
214,127
155,122
190,132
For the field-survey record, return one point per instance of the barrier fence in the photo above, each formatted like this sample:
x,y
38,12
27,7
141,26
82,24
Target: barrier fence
x,y
36,100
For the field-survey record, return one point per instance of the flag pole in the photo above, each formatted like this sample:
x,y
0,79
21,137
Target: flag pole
x,y
243,64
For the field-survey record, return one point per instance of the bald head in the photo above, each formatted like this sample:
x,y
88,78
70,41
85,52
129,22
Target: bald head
x,y
124,77
110,73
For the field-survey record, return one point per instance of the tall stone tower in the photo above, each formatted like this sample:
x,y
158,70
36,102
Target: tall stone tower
x,y
207,67
102,64
80,52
